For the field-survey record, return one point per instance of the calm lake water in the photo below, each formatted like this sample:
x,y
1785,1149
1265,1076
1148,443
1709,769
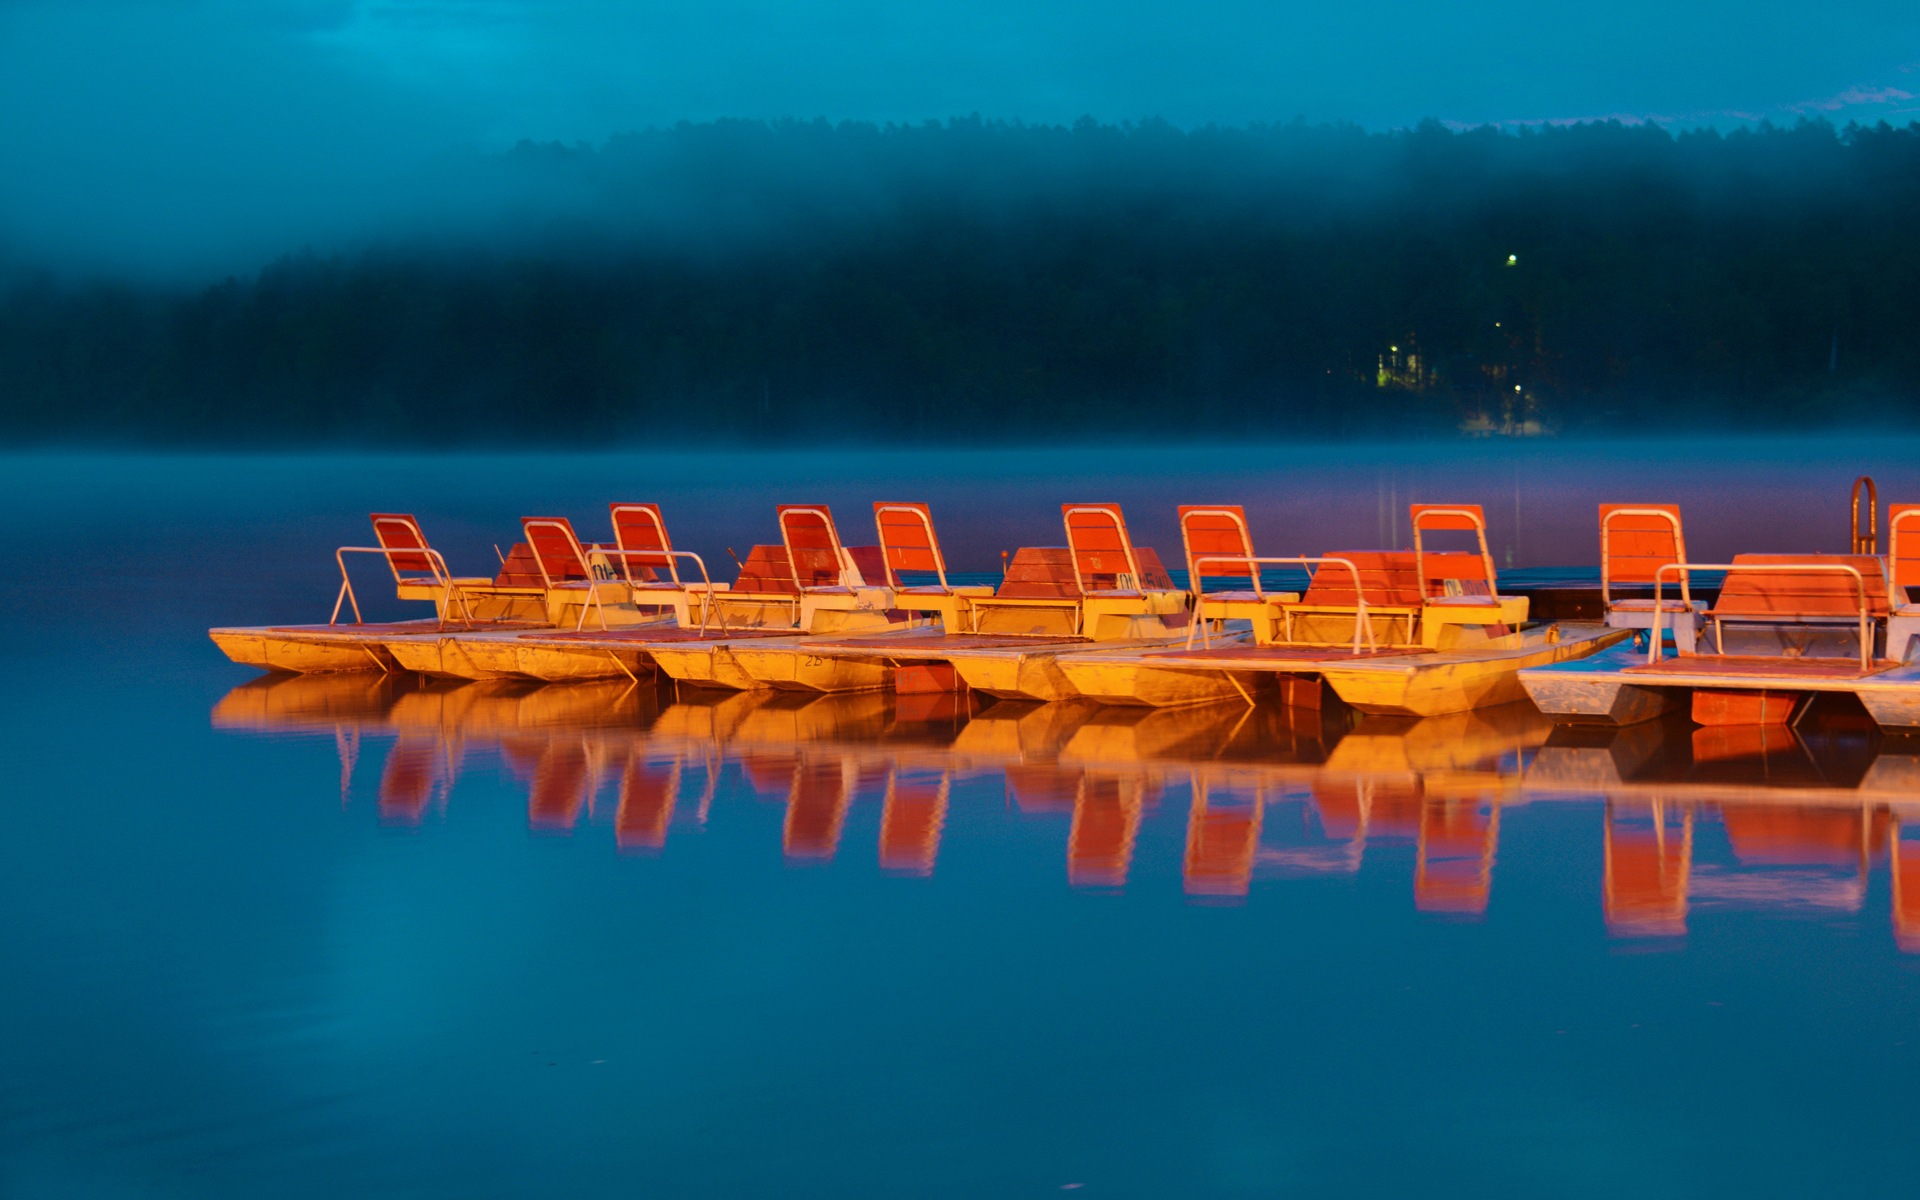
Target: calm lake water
x,y
377,937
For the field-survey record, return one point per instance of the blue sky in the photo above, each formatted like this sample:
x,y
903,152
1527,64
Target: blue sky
x,y
165,131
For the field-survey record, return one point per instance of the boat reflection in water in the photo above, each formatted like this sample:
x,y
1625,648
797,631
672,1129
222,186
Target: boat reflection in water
x,y
1729,817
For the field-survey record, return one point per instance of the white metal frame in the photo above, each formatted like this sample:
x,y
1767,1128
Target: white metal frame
x,y
1902,630
1193,564
1126,543
580,554
933,543
1679,548
840,555
1073,558
1859,585
1685,639
442,577
1362,627
1479,531
624,554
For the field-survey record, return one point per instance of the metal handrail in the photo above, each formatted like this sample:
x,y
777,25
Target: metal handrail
x,y
706,581
1869,544
1361,626
442,575
1859,586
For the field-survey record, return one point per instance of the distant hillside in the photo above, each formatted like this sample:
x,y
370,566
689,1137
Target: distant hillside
x,y
987,282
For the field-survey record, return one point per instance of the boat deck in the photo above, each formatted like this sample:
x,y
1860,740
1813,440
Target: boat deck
x,y
1619,687
906,645
1759,666
1008,665
649,636
378,630
1279,657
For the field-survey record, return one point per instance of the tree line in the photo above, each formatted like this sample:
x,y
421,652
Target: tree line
x,y
982,281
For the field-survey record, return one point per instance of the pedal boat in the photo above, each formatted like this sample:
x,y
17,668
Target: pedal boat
x,y
420,573
1100,590
809,583
1779,612
1416,633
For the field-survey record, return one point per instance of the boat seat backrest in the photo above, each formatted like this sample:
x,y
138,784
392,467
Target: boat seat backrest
x,y
1450,572
1903,547
907,540
867,563
766,571
1789,594
1039,573
1636,540
641,532
1153,574
813,545
1388,579
1101,550
1216,531
556,549
400,532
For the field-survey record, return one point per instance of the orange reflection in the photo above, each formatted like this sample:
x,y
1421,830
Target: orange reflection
x,y
1646,859
1396,809
561,779
1453,872
1043,788
1802,835
769,775
1750,746
414,776
1106,820
1904,861
648,793
1796,855
816,809
911,822
1806,810
1223,836
1343,809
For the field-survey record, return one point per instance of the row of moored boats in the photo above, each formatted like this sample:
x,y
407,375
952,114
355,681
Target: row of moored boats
x,y
1417,632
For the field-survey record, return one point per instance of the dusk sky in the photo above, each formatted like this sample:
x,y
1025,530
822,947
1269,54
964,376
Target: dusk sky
x,y
154,134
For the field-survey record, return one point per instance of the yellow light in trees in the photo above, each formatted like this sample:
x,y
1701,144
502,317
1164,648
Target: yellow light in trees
x,y
1513,260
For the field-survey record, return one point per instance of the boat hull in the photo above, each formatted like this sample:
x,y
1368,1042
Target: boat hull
x,y
708,664
319,649
1614,689
794,668
1405,685
1433,689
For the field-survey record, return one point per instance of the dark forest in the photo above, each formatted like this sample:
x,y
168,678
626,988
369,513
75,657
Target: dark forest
x,y
975,281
